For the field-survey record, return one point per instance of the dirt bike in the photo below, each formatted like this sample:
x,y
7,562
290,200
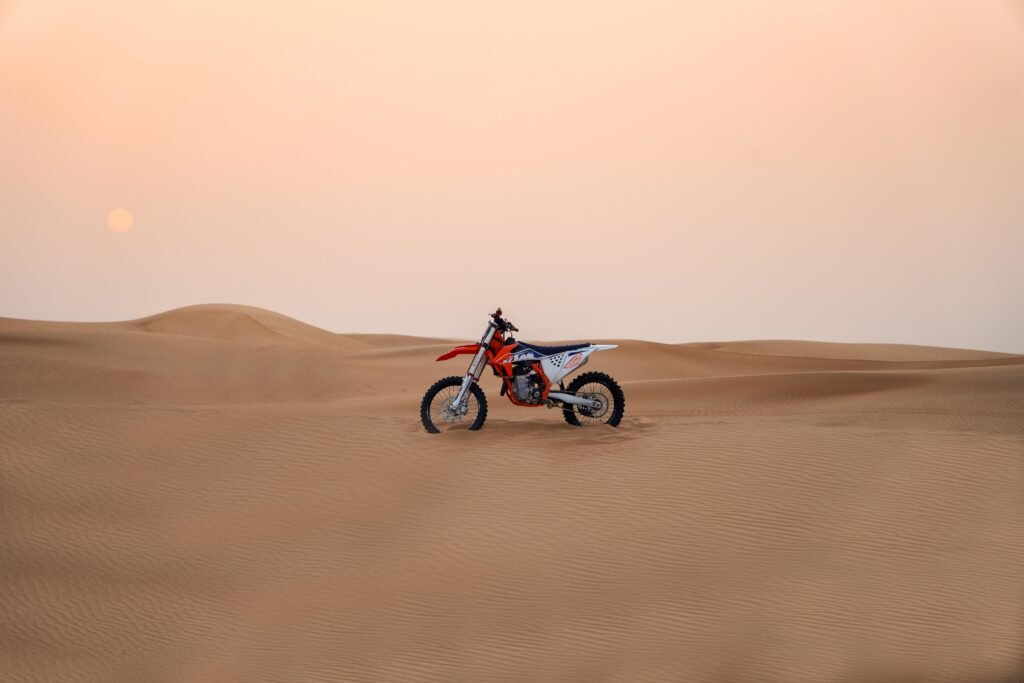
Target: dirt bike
x,y
528,374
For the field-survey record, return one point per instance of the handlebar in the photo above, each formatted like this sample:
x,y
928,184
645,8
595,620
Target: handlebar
x,y
502,324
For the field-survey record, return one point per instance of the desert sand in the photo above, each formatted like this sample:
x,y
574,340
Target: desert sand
x,y
221,493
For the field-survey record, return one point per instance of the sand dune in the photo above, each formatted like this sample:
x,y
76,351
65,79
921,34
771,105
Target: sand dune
x,y
239,323
221,493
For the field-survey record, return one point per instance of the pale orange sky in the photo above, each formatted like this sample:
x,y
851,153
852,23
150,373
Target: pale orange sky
x,y
849,171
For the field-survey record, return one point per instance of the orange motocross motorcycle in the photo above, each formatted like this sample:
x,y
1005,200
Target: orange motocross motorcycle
x,y
529,374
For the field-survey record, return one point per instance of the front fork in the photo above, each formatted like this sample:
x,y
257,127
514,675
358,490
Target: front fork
x,y
476,368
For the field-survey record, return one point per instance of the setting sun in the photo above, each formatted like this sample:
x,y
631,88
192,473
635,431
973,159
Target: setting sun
x,y
120,220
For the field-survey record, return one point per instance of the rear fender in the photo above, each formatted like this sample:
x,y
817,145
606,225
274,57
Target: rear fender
x,y
562,364
459,350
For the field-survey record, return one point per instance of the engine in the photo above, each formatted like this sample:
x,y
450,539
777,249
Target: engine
x,y
528,385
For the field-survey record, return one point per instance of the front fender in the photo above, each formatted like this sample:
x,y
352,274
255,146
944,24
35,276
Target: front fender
x,y
459,350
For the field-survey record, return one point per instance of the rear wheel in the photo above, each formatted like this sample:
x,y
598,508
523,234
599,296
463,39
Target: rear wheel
x,y
599,387
436,413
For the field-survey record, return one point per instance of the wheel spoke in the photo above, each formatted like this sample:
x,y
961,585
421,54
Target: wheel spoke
x,y
443,419
596,391
605,401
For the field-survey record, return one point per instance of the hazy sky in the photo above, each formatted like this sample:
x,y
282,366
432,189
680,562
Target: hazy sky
x,y
849,171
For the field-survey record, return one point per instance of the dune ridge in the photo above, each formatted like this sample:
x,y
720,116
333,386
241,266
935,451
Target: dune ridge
x,y
223,493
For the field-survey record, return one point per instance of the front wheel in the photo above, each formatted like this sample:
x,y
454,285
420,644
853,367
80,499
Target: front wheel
x,y
599,387
436,413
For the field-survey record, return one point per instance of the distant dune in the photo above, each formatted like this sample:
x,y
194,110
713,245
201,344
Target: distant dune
x,y
222,493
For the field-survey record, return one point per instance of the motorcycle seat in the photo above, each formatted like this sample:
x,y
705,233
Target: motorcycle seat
x,y
552,350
